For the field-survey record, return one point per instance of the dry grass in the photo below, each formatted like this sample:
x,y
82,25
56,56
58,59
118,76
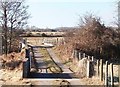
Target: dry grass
x,y
47,33
39,40
49,62
65,58
12,61
11,70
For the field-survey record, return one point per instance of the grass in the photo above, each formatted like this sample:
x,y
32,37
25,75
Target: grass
x,y
49,62
59,55
69,63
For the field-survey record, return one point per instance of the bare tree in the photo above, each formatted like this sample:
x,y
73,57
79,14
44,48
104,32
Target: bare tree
x,y
119,14
4,22
13,15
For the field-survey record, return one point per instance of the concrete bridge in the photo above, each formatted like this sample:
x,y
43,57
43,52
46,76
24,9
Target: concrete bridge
x,y
33,53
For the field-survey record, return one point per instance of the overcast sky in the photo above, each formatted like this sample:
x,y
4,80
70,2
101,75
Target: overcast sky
x,y
65,13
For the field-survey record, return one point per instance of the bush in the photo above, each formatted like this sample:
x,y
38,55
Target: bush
x,y
95,39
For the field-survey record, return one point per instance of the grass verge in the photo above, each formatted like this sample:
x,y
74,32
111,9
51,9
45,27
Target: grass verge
x,y
69,62
49,62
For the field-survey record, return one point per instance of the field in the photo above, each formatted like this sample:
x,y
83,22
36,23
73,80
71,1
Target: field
x,y
47,33
40,40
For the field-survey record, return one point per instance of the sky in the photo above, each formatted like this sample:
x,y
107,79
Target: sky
x,y
66,13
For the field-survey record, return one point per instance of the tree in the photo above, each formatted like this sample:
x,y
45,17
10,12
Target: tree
x,y
117,17
118,14
94,38
13,15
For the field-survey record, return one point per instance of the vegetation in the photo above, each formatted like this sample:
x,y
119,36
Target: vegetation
x,y
12,61
49,62
94,38
13,16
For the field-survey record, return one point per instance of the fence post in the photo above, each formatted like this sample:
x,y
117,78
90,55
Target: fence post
x,y
30,58
27,53
88,68
88,57
106,74
98,68
92,58
32,51
57,41
72,54
111,70
83,55
79,55
46,70
101,70
75,54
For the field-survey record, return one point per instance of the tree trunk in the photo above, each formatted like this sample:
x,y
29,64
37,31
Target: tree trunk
x,y
11,36
5,29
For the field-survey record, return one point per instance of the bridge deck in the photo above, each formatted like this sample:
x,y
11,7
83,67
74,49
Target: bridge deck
x,y
66,74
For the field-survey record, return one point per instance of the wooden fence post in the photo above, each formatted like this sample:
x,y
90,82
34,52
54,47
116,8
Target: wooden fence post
x,y
73,56
56,40
106,74
88,68
92,58
83,55
32,51
111,70
76,54
73,53
88,57
101,70
98,68
79,55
